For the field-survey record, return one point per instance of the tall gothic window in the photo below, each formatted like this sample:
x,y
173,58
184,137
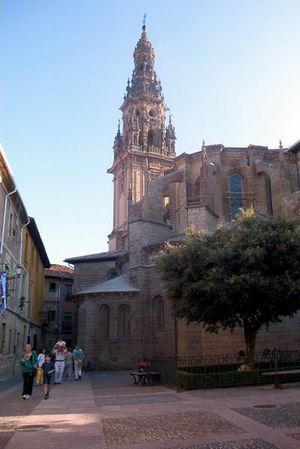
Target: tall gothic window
x,y
105,321
197,189
158,313
235,194
264,199
268,194
123,321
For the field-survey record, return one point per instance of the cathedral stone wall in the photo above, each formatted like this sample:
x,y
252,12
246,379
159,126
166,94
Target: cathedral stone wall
x,y
163,327
201,218
198,196
110,345
88,274
193,340
143,233
156,197
283,336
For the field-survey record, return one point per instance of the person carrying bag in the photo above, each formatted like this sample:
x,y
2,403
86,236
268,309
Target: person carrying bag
x,y
28,364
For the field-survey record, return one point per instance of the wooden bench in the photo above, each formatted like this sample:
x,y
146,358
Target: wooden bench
x,y
145,377
278,375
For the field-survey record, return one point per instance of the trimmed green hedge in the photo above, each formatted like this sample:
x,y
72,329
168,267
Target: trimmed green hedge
x,y
189,381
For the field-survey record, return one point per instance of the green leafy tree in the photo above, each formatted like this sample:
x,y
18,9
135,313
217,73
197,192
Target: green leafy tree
x,y
246,275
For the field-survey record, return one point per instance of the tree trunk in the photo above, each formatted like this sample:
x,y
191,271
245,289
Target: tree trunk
x,y
250,340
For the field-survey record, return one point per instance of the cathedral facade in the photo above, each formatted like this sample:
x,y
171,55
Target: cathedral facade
x,y
123,315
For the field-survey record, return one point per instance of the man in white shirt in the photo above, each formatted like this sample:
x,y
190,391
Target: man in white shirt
x,y
59,354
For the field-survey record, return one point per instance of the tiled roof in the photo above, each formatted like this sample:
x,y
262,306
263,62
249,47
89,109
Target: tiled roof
x,y
61,268
59,271
119,284
109,255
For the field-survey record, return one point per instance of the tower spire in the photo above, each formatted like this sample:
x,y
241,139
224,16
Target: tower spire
x,y
145,147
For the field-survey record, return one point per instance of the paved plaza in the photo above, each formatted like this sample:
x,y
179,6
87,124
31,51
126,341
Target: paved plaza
x,y
106,411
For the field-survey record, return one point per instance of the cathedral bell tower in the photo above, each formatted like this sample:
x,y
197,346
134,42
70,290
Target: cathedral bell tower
x,y
145,148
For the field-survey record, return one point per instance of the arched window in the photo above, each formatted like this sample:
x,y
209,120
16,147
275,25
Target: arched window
x,y
158,313
189,190
105,321
235,194
197,189
123,321
166,209
150,137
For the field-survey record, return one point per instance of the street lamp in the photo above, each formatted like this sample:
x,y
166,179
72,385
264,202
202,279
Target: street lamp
x,y
16,273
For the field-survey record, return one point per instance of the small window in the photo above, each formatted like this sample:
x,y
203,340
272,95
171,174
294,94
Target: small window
x,y
166,210
67,322
51,315
166,201
52,287
68,292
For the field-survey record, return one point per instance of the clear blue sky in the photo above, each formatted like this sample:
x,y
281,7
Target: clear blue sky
x,y
230,72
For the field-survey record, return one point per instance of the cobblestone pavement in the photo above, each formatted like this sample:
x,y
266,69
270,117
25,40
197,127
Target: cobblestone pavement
x,y
241,444
106,411
175,426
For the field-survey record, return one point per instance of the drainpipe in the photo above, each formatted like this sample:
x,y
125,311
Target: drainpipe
x,y
4,219
21,243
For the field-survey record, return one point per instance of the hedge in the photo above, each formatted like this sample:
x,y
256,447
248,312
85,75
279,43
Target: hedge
x,y
188,381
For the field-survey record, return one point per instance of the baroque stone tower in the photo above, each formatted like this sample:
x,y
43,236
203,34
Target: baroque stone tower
x,y
145,148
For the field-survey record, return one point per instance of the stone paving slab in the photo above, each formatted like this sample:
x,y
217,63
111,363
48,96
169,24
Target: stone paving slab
x,y
140,399
133,391
278,416
137,417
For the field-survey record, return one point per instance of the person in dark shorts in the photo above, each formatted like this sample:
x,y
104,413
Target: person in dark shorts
x,y
48,370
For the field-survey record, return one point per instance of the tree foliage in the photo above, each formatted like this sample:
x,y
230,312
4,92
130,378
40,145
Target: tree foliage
x,y
246,275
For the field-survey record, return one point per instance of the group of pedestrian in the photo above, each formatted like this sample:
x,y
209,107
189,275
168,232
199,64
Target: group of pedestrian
x,y
59,361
